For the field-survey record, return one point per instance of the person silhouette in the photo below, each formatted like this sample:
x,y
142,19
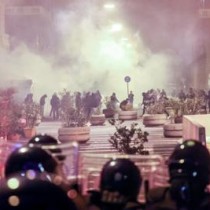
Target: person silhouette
x,y
189,176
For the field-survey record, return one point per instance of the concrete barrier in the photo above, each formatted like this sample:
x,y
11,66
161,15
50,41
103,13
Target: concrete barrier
x,y
154,119
128,115
97,119
196,127
173,130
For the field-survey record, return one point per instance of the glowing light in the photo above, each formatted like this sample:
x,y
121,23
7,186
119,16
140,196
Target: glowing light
x,y
13,200
31,174
113,50
24,149
41,167
113,163
109,6
190,143
13,183
36,139
182,146
195,174
116,27
181,161
72,194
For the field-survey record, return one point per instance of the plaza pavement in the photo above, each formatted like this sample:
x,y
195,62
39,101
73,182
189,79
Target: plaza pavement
x,y
98,143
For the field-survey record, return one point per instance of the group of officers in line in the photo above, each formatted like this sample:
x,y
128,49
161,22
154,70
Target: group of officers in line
x,y
33,180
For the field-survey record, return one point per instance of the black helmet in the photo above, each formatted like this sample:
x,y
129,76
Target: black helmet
x,y
122,176
189,170
22,193
44,139
190,159
30,158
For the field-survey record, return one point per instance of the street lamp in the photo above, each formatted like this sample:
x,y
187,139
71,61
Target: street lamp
x,y
109,6
116,27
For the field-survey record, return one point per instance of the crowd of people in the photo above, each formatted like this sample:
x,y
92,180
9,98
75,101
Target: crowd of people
x,y
152,96
90,100
78,100
34,180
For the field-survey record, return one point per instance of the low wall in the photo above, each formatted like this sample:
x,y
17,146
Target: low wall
x,y
196,127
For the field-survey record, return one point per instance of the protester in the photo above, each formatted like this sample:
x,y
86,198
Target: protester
x,y
55,105
131,97
125,105
113,101
28,99
42,102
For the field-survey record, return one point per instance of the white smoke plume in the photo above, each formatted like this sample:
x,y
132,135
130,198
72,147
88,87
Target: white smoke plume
x,y
90,57
101,59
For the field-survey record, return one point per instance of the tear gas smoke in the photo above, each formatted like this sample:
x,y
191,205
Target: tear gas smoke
x,y
90,57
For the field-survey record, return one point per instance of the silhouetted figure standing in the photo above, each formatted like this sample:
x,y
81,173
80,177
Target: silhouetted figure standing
x,y
191,94
131,97
113,101
78,101
181,95
42,102
28,99
145,102
55,104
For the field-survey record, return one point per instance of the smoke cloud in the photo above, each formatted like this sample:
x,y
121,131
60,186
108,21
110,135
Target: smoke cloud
x,y
89,57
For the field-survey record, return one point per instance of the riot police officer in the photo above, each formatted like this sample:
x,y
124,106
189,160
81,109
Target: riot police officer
x,y
44,140
27,158
189,175
31,193
73,189
120,182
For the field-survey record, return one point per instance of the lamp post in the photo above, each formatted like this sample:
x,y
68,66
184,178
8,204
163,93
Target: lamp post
x,y
127,79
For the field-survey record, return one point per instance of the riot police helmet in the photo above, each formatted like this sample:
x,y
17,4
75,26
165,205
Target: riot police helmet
x,y
189,171
24,193
30,158
47,140
43,139
121,175
191,159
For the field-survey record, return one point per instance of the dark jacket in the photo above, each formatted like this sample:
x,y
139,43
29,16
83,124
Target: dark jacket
x,y
160,199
